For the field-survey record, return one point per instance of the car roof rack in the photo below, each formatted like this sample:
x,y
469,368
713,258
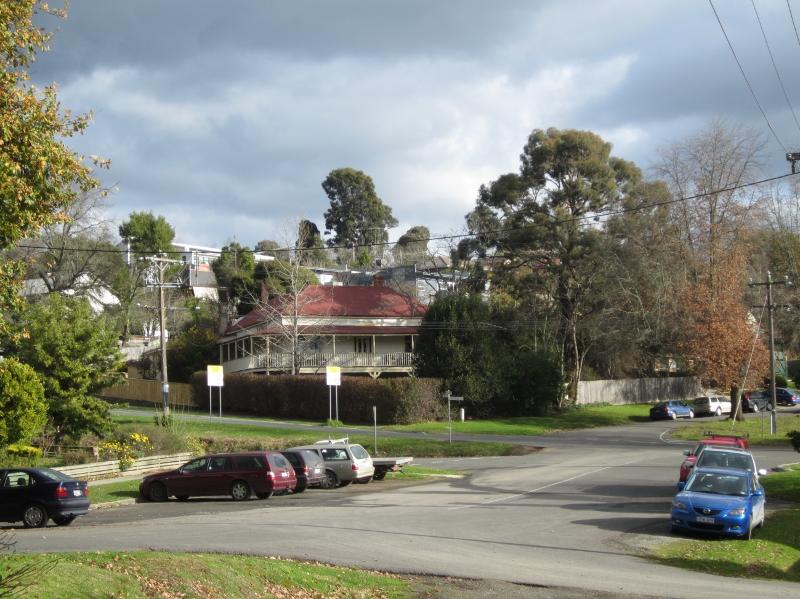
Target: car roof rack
x,y
746,436
330,441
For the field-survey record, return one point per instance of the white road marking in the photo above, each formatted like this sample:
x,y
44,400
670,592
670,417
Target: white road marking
x,y
542,488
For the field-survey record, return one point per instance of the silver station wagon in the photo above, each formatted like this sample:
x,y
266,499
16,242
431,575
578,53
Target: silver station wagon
x,y
344,462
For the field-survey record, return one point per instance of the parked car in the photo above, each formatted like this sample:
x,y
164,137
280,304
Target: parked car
x,y
721,501
756,401
236,474
671,409
786,396
309,468
711,404
344,462
728,457
710,440
35,495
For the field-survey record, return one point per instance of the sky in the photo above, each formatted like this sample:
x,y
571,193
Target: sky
x,y
226,116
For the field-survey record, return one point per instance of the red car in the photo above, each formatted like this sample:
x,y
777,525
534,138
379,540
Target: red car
x,y
236,474
710,440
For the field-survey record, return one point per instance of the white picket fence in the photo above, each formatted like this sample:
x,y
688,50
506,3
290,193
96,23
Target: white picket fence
x,y
111,467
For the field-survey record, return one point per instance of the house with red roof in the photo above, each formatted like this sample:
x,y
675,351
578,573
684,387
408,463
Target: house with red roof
x,y
361,329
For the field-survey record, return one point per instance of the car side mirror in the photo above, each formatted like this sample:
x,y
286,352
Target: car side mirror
x,y
758,493
762,472
681,485
687,452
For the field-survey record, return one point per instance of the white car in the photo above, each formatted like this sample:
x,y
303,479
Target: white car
x,y
344,462
714,405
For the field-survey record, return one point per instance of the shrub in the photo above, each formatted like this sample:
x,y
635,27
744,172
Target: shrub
x,y
126,449
781,381
23,410
23,451
398,400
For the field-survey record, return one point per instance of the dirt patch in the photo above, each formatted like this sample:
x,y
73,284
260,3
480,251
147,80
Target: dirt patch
x,y
524,449
457,588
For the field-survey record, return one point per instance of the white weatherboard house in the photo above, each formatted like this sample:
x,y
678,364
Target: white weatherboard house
x,y
363,330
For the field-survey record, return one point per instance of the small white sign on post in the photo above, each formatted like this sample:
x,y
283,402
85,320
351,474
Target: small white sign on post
x,y
215,378
215,375
333,375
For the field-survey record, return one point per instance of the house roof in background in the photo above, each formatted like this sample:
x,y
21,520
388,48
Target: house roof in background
x,y
326,301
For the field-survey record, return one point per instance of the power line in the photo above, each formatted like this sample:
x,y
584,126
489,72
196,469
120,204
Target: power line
x,y
775,66
791,15
592,217
746,80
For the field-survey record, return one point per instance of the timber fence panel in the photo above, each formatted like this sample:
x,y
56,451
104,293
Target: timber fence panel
x,y
149,391
630,391
111,467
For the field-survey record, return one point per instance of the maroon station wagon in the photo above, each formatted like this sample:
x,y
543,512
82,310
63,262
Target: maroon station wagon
x,y
236,474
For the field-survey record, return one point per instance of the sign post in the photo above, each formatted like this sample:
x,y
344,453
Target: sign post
x,y
375,425
214,376
333,378
450,397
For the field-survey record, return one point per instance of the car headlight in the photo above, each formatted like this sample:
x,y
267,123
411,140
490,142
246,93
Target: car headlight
x,y
678,504
739,511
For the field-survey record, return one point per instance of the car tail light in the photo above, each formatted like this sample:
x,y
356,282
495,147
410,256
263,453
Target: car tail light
x,y
61,492
305,469
86,491
355,467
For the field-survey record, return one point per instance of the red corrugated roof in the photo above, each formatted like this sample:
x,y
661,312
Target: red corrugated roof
x,y
342,301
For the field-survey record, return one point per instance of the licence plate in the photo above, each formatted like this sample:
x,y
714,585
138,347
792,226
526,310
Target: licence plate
x,y
705,519
77,492
317,470
284,475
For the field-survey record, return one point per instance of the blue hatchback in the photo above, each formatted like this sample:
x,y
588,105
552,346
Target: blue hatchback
x,y
671,409
722,501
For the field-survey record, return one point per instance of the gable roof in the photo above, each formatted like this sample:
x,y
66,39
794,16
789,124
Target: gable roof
x,y
326,301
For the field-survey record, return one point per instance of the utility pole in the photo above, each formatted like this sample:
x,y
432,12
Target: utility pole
x,y
769,284
160,265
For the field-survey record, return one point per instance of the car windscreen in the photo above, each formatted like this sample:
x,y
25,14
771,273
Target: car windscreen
x,y
701,401
718,484
720,459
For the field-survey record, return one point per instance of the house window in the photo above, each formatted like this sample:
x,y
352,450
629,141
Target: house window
x,y
409,345
362,345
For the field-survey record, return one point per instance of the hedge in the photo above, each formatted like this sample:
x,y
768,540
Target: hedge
x,y
398,400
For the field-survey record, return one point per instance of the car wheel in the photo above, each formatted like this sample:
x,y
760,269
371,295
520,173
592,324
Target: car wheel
x,y
300,488
364,481
718,412
158,492
182,497
754,409
331,480
64,520
34,516
240,490
769,407
344,483
691,413
379,475
264,495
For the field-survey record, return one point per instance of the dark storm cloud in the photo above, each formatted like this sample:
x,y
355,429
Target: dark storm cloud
x,y
226,116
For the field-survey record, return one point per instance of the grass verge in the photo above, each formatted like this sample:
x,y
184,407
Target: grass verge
x,y
222,436
755,428
783,485
573,418
109,492
421,473
773,554
159,574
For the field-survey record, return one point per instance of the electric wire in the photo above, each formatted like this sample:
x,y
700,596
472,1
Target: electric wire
x,y
586,217
746,80
775,66
794,24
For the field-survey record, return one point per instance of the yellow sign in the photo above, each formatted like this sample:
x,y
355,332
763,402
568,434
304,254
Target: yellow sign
x,y
333,375
214,374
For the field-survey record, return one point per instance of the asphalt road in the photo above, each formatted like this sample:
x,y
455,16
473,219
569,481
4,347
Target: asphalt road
x,y
577,514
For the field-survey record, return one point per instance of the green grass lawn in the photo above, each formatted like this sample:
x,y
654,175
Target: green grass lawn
x,y
237,437
756,429
774,553
421,473
159,574
106,493
574,418
783,485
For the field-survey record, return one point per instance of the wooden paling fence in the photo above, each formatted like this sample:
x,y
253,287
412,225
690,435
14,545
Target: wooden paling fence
x,y
111,467
149,391
647,390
